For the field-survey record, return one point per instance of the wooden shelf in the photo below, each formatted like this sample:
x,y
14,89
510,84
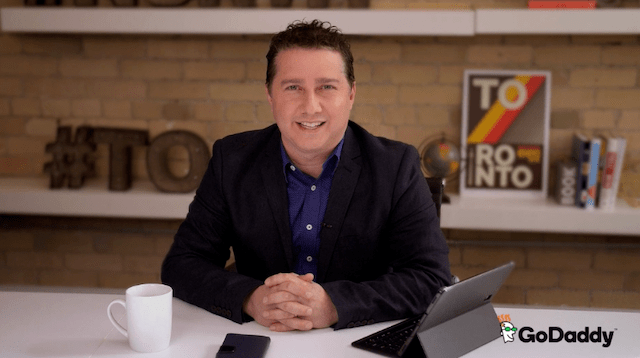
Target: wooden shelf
x,y
233,21
351,21
32,196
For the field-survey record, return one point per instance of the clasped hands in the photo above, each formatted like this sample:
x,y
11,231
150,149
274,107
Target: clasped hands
x,y
287,301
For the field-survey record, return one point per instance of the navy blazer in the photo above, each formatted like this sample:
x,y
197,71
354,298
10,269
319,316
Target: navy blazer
x,y
382,254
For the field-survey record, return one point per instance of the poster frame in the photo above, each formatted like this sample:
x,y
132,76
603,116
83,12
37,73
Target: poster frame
x,y
505,193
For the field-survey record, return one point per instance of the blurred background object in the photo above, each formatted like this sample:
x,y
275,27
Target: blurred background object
x,y
440,157
630,184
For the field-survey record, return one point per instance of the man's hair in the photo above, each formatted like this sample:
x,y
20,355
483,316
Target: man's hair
x,y
310,35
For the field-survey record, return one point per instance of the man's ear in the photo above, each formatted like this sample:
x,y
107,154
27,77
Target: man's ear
x,y
352,94
268,93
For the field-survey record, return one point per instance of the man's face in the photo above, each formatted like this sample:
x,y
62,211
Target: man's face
x,y
311,100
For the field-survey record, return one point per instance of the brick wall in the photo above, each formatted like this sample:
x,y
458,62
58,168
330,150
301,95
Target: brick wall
x,y
551,269
554,269
408,88
114,253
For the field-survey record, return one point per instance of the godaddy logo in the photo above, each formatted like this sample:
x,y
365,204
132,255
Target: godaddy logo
x,y
553,334
557,334
508,331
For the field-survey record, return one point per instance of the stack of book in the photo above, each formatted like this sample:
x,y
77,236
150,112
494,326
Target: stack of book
x,y
596,165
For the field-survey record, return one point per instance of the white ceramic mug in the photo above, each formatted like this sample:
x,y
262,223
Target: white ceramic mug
x,y
149,314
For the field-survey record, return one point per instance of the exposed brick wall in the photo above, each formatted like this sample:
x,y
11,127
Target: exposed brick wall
x,y
82,252
554,269
408,88
551,269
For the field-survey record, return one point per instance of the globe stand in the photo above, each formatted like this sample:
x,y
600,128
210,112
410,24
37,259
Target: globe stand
x,y
445,198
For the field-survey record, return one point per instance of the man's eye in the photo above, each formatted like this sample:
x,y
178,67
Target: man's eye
x,y
326,87
292,87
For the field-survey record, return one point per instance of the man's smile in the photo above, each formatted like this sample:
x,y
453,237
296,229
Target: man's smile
x,y
310,125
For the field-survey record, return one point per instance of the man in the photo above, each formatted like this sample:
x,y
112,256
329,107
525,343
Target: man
x,y
330,226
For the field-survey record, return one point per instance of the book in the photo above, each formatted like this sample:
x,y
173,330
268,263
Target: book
x,y
566,182
608,157
580,156
566,4
614,156
592,177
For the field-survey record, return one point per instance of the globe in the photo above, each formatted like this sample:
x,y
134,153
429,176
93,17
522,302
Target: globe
x,y
441,158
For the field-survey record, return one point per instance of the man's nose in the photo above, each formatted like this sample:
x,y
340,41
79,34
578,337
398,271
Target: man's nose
x,y
312,103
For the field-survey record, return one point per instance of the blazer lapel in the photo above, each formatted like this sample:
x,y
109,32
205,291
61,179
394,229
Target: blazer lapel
x,y
276,191
342,188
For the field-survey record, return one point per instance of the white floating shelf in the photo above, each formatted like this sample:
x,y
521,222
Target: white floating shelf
x,y
538,215
233,21
537,21
398,22
32,196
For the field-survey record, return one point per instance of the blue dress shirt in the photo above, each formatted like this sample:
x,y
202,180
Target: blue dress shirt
x,y
308,198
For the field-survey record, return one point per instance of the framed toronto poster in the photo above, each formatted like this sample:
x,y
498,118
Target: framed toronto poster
x,y
505,133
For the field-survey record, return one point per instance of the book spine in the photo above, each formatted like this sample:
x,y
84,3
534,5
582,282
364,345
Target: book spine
x,y
566,182
622,146
580,155
607,196
601,165
592,181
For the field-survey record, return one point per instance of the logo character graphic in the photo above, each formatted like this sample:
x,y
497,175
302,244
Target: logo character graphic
x,y
508,330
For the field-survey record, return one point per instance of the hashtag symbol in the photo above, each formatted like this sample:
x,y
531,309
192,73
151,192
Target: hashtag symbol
x,y
72,160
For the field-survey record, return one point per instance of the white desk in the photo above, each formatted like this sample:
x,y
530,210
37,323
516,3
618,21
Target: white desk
x,y
50,324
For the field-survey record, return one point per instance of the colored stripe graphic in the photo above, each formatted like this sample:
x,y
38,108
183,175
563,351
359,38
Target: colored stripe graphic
x,y
498,119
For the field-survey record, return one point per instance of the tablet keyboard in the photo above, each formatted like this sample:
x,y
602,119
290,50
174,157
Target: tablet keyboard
x,y
392,341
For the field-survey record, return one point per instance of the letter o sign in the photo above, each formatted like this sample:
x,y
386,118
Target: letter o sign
x,y
504,155
519,101
158,163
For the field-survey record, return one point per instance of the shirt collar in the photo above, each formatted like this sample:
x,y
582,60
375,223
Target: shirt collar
x,y
337,151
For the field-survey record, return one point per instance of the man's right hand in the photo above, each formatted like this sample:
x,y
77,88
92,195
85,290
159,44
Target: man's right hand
x,y
292,317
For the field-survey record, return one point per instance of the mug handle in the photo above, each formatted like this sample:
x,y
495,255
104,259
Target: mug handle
x,y
113,320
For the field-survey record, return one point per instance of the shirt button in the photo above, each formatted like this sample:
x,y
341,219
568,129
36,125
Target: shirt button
x,y
313,188
309,258
292,168
309,227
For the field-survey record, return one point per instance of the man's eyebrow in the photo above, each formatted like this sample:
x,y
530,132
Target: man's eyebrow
x,y
290,81
327,80
297,81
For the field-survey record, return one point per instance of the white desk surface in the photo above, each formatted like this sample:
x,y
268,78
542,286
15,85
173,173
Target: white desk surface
x,y
53,324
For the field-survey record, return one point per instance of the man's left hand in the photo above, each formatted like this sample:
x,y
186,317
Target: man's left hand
x,y
290,290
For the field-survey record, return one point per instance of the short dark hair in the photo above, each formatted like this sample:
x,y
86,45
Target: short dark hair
x,y
312,35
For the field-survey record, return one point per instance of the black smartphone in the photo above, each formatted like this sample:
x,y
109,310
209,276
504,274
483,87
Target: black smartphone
x,y
243,346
